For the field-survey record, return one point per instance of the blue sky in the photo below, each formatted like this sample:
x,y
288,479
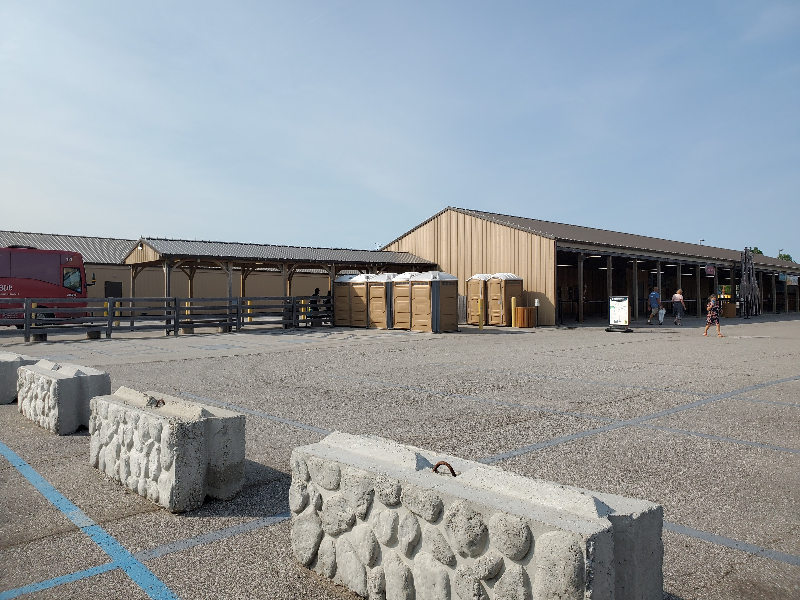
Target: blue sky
x,y
345,123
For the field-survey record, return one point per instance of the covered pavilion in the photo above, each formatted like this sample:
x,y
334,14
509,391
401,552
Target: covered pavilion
x,y
232,257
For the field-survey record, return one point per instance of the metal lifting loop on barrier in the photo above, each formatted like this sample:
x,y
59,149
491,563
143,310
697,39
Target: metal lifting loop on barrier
x,y
445,464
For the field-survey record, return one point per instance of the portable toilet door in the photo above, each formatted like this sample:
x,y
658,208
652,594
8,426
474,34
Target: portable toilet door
x,y
448,305
476,290
401,301
359,303
380,300
341,300
421,305
503,287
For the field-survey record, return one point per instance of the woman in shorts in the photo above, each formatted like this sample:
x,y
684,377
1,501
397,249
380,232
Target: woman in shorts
x,y
678,307
712,318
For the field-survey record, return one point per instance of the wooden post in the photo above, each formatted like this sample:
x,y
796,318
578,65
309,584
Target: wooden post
x,y
609,282
699,299
229,269
635,290
167,278
581,258
167,288
285,279
134,274
27,320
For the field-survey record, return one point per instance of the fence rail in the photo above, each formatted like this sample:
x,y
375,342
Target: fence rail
x,y
41,316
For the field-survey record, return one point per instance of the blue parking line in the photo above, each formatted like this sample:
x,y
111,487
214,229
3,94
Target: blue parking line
x,y
141,575
56,581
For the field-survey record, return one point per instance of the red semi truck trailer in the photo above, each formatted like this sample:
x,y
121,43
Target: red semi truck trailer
x,y
27,272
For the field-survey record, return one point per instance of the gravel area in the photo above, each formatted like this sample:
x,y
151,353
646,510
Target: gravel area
x,y
473,394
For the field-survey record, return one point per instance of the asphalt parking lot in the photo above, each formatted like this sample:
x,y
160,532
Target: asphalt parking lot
x,y
707,427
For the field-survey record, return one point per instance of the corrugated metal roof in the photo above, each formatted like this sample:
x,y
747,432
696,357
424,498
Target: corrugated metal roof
x,y
623,241
272,253
110,251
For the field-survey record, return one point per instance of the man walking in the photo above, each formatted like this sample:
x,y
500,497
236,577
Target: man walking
x,y
655,305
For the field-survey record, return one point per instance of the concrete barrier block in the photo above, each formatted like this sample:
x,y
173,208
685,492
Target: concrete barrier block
x,y
56,396
9,363
372,515
172,452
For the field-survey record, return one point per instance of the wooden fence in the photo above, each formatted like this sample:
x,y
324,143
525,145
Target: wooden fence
x,y
42,316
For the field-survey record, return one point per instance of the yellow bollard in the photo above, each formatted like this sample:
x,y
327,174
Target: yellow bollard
x,y
105,312
513,311
116,312
33,314
249,311
480,313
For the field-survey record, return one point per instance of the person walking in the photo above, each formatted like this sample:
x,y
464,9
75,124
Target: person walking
x,y
678,307
712,317
655,305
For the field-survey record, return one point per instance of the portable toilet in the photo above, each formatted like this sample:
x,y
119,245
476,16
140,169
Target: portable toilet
x,y
359,300
476,290
341,300
401,300
502,287
380,300
434,302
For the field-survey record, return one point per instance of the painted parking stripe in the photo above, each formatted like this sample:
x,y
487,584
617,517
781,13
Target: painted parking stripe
x,y
141,575
552,411
257,413
720,438
145,555
56,581
720,540
636,421
210,537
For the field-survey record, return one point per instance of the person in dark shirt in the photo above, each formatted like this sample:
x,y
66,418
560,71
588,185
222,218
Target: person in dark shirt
x,y
655,305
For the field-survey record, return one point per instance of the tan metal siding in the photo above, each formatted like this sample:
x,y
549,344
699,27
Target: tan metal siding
x,y
464,245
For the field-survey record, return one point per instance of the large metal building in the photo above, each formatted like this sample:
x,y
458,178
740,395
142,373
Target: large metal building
x,y
556,261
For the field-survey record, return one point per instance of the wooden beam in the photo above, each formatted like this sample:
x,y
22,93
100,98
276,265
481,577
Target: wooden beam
x,y
774,295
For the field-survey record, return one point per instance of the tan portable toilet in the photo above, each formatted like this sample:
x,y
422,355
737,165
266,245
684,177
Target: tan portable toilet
x,y
341,300
434,302
401,300
476,289
380,300
501,288
359,301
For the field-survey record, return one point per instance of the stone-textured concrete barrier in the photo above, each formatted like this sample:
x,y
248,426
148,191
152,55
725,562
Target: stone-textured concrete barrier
x,y
9,363
172,452
56,396
372,515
